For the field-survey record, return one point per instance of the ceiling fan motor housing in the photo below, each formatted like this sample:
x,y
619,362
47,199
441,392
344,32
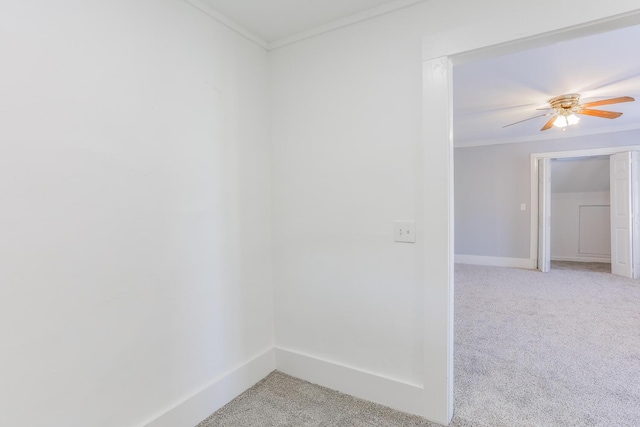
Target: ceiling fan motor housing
x,y
565,104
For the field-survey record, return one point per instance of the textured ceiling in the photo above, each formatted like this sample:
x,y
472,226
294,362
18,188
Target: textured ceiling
x,y
495,92
273,20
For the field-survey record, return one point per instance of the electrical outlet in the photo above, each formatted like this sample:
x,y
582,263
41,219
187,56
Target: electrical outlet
x,y
404,231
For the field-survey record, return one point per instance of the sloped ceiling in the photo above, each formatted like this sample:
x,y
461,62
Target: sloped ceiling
x,y
580,175
492,93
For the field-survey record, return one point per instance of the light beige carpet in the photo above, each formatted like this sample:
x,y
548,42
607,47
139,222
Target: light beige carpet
x,y
601,267
531,349
281,400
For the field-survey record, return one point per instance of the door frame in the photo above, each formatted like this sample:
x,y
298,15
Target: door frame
x,y
440,52
604,151
543,263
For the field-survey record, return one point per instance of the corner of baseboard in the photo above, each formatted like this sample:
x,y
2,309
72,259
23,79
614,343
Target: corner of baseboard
x,y
217,393
390,392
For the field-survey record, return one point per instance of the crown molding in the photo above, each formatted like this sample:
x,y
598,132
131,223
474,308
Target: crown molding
x,y
228,23
331,26
546,136
344,22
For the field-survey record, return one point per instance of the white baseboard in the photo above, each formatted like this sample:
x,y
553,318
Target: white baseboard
x,y
527,263
365,385
582,259
218,393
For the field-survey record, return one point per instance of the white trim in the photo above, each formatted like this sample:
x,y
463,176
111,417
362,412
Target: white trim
x,y
585,258
604,151
533,238
548,136
331,26
229,23
198,406
438,258
344,22
529,264
376,388
589,152
481,47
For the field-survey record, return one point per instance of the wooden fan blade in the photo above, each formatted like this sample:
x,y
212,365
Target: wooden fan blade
x,y
608,101
530,118
549,123
600,113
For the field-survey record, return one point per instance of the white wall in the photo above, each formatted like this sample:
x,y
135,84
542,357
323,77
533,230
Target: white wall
x,y
346,132
492,181
580,227
135,211
580,174
347,135
136,190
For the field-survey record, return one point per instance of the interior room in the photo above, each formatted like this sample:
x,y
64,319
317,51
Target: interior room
x,y
498,115
198,193
537,336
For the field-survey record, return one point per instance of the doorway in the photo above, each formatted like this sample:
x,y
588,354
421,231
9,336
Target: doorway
x,y
437,187
581,239
580,210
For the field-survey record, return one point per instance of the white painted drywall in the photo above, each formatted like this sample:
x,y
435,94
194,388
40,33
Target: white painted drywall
x,y
346,134
136,195
135,209
346,129
579,230
580,175
492,181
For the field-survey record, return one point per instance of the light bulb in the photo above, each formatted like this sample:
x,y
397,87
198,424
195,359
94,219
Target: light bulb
x,y
572,119
560,122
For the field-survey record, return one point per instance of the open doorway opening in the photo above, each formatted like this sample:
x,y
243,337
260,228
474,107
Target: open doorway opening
x,y
496,167
587,210
581,212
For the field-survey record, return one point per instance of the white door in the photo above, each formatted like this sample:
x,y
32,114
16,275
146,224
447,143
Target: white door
x,y
624,218
544,215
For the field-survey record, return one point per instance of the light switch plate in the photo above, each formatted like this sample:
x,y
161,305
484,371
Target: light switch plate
x,y
404,231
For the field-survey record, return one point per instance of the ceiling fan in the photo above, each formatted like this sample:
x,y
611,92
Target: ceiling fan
x,y
565,107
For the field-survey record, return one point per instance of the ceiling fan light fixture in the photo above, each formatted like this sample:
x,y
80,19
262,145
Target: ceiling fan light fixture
x,y
561,122
572,119
565,120
564,110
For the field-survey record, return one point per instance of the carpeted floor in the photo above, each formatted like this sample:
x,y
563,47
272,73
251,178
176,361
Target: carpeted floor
x,y
601,267
281,400
554,349
532,349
